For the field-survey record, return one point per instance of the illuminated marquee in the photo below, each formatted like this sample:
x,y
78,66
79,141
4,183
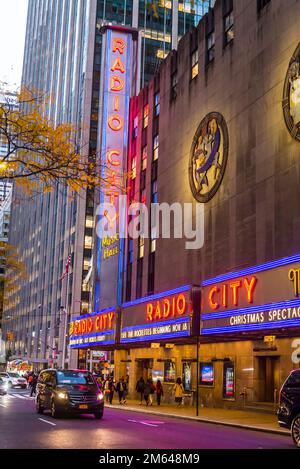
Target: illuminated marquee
x,y
158,317
93,329
267,300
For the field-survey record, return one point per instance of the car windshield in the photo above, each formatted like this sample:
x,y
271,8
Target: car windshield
x,y
74,377
14,375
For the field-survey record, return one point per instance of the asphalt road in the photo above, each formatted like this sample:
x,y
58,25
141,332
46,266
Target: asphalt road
x,y
21,427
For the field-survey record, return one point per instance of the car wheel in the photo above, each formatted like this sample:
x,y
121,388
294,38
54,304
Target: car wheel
x,y
54,412
98,415
39,407
296,430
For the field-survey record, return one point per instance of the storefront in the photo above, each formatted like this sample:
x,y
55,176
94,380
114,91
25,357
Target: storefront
x,y
94,335
249,323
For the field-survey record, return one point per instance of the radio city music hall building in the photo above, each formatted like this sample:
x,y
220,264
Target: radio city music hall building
x,y
220,126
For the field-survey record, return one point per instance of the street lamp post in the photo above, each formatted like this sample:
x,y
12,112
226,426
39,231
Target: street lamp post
x,y
64,311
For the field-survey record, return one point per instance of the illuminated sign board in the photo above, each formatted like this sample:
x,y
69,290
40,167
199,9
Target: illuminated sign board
x,y
163,316
93,329
259,298
118,83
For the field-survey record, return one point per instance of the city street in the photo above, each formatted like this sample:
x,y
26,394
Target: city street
x,y
21,427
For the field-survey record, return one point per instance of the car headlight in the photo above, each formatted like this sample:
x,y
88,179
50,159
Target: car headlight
x,y
100,396
62,395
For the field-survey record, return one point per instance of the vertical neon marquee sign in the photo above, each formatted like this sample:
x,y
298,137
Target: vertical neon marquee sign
x,y
118,83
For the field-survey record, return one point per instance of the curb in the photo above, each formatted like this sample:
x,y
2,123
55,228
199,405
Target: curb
x,y
204,420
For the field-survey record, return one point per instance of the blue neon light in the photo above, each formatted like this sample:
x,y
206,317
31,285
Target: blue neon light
x,y
157,296
96,313
104,342
103,147
252,309
168,335
127,94
247,327
252,270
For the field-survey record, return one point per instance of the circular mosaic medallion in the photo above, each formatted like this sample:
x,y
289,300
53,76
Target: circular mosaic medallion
x,y
291,96
208,157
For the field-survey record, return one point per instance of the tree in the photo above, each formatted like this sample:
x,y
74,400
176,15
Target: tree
x,y
40,153
13,271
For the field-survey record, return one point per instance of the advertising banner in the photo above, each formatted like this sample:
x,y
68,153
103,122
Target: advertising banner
x,y
93,329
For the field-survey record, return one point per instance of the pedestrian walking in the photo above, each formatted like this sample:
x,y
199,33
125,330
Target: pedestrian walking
x,y
159,391
179,390
120,390
106,389
140,386
30,378
112,388
125,390
147,391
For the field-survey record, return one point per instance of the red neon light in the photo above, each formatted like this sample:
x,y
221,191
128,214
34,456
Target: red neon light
x,y
162,309
118,66
111,154
118,44
213,304
96,323
219,296
115,118
116,83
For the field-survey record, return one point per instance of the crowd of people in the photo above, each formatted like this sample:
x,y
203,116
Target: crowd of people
x,y
146,389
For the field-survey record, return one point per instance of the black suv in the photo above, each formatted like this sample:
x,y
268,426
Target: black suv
x,y
289,405
68,391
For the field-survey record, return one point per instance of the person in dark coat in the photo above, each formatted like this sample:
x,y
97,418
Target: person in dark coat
x,y
120,390
112,388
159,391
147,391
33,385
140,386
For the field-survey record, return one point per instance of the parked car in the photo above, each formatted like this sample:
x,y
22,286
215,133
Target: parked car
x,y
289,405
69,391
13,379
3,387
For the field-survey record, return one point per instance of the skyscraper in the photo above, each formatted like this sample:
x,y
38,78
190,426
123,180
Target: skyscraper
x,y
54,232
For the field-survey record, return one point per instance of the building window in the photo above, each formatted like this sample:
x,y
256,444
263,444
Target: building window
x,y
151,270
194,68
145,116
156,104
128,282
135,127
210,44
154,192
153,245
133,167
130,251
141,247
139,278
144,157
155,148
261,4
228,28
174,85
143,196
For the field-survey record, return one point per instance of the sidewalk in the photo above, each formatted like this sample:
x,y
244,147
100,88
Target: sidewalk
x,y
250,420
